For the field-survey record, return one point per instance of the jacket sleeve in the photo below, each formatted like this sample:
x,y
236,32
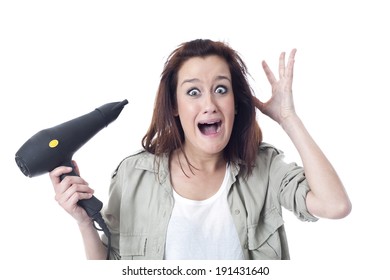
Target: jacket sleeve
x,y
111,213
289,183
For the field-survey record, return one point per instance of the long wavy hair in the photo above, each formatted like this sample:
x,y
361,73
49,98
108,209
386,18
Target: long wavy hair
x,y
165,133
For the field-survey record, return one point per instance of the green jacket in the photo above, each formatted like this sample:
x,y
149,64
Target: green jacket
x,y
141,202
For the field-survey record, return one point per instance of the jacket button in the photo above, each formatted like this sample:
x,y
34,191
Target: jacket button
x,y
237,212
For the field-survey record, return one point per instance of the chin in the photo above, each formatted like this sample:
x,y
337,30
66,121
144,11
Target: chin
x,y
213,150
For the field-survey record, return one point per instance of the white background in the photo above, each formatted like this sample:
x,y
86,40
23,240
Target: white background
x,y
62,59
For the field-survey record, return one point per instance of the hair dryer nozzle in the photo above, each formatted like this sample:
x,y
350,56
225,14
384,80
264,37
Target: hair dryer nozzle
x,y
111,111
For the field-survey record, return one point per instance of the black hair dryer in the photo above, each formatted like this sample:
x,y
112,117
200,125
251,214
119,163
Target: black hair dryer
x,y
55,147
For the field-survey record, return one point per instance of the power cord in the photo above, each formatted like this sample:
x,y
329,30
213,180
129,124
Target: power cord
x,y
103,227
93,206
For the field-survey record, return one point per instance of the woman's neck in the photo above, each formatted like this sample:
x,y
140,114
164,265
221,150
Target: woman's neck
x,y
198,178
198,163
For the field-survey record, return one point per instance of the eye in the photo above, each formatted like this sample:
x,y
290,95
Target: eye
x,y
221,89
193,92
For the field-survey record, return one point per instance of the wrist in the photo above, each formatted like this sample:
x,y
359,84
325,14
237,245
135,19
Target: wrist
x,y
290,123
85,224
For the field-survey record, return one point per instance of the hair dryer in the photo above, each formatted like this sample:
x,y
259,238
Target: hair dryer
x,y
55,147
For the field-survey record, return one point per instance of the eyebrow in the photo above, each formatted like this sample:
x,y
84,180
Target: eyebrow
x,y
218,78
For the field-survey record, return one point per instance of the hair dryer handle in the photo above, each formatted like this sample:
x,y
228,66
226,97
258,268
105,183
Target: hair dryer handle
x,y
92,205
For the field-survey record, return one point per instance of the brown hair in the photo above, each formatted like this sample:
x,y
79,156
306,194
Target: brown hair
x,y
165,133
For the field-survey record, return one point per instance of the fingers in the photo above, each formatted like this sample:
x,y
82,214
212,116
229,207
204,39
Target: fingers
x,y
270,76
73,194
69,191
290,64
281,65
71,182
284,71
71,188
57,172
55,175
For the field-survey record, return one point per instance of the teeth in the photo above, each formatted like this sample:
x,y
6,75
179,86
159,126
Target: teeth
x,y
211,122
208,128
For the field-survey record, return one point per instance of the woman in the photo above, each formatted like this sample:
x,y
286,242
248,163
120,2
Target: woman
x,y
205,186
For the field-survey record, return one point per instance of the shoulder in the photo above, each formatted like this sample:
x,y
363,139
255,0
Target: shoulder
x,y
265,155
140,159
267,152
268,148
269,160
136,157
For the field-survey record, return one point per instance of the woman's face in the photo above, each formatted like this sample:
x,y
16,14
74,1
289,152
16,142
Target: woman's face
x,y
205,104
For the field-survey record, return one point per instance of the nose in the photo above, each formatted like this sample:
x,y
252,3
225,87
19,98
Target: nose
x,y
210,105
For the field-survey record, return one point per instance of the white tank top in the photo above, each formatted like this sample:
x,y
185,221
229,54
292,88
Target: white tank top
x,y
200,230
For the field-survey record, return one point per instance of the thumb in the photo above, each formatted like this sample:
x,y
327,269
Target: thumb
x,y
258,104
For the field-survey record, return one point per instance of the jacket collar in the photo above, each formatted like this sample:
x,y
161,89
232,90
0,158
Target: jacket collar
x,y
160,166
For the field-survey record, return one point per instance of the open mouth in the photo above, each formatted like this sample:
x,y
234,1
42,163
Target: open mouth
x,y
210,128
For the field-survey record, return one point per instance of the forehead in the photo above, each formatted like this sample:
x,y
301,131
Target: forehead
x,y
202,67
